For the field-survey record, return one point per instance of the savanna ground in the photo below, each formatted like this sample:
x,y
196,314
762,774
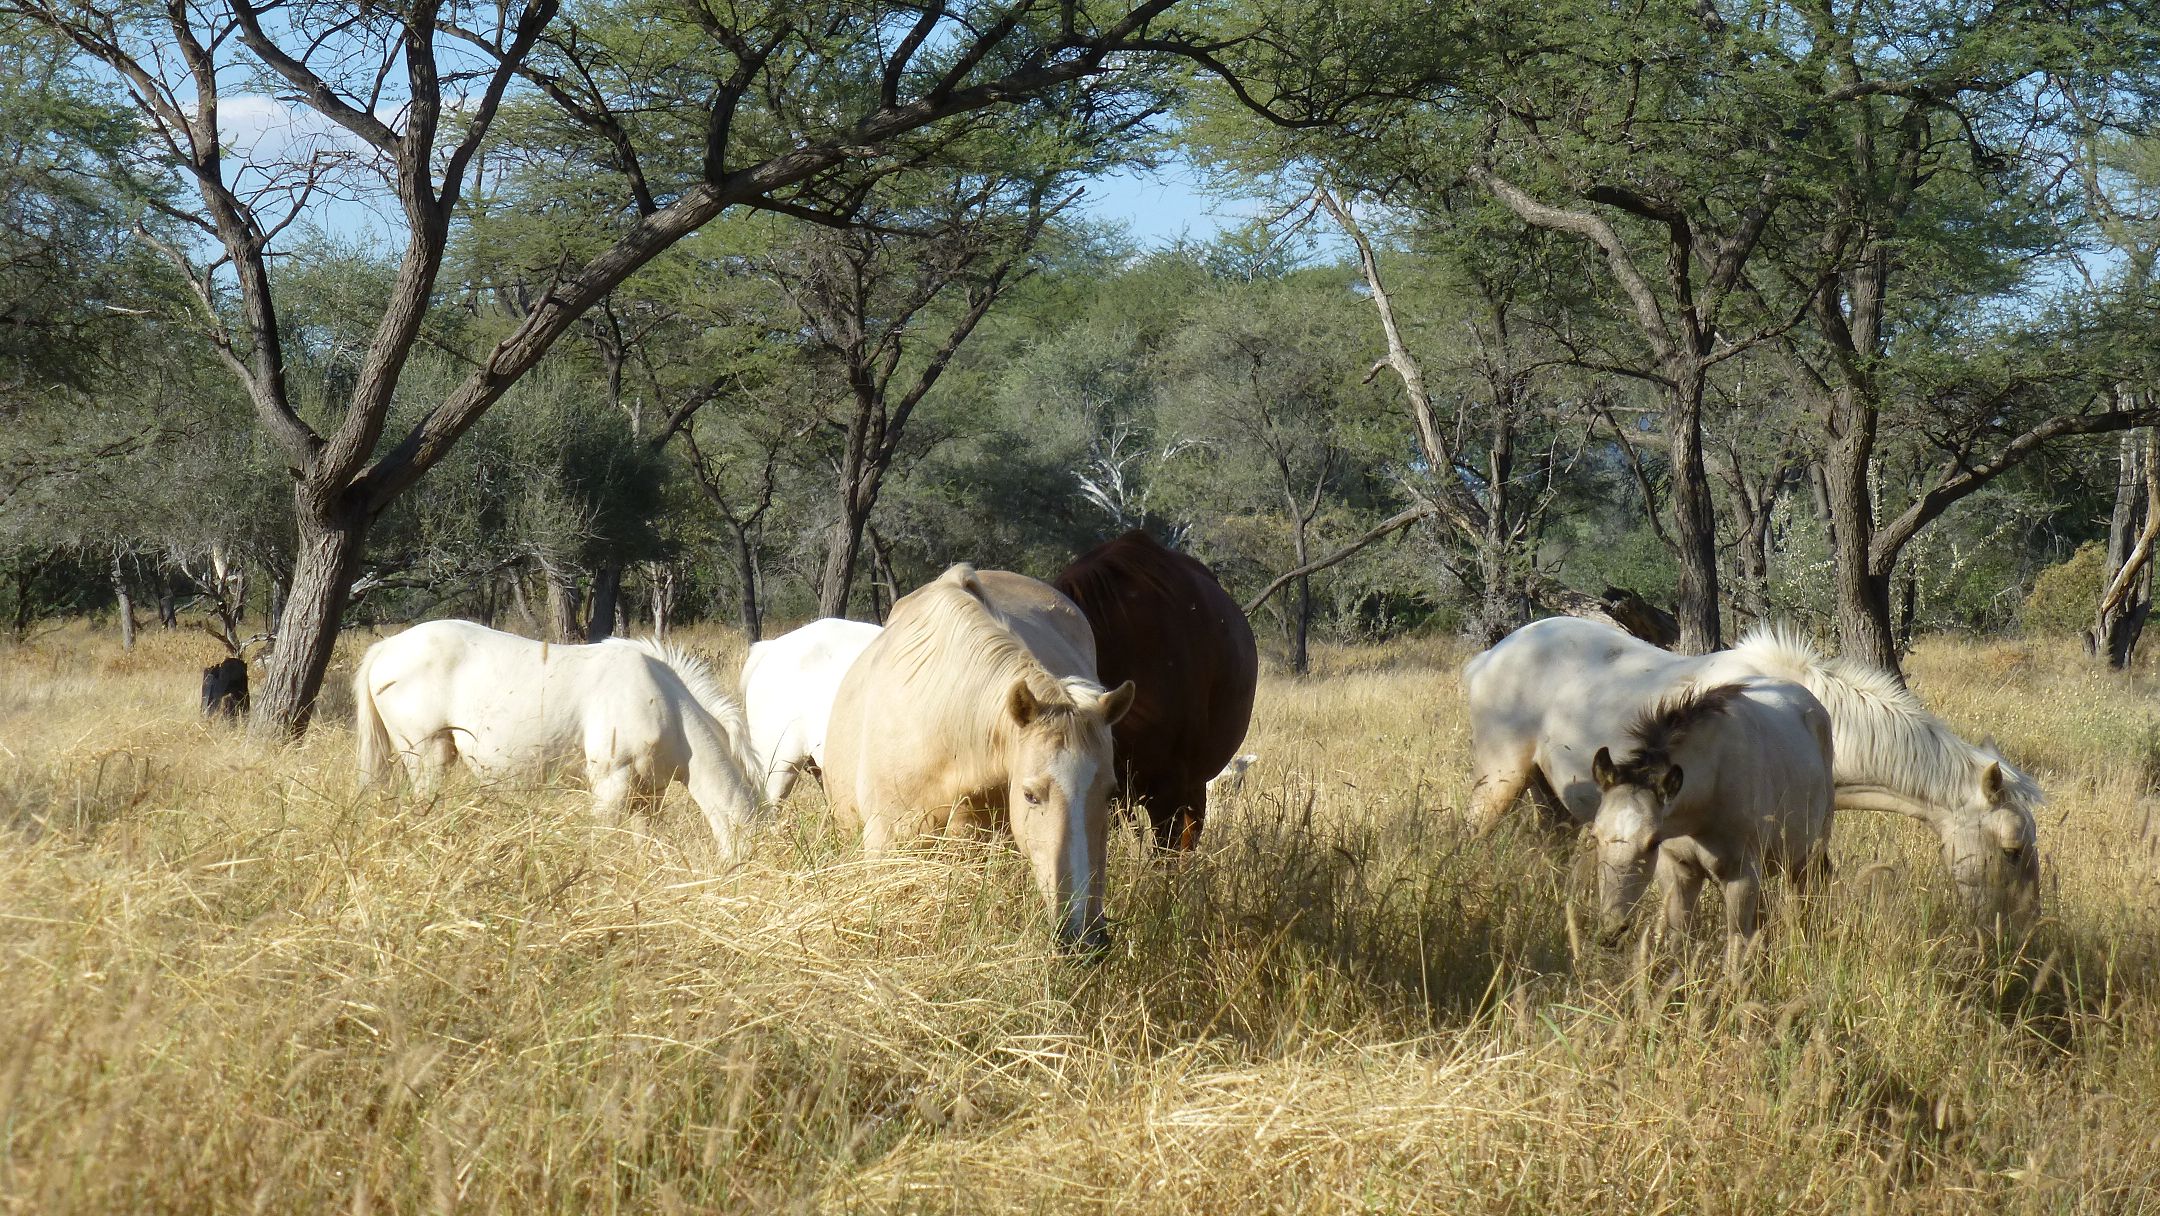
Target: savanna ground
x,y
228,982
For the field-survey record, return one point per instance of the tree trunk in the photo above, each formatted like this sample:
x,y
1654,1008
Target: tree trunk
x,y
123,605
519,601
1501,605
606,592
1301,626
1694,518
1908,607
2115,632
660,579
274,611
324,563
1863,594
843,552
884,585
562,603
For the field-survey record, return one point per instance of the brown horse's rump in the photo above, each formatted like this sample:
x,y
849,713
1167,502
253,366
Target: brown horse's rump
x,y
1163,622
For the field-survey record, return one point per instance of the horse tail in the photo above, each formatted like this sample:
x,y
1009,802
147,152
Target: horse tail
x,y
1779,649
376,752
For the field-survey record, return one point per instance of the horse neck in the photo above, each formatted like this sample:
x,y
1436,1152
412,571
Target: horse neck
x,y
713,766
1876,742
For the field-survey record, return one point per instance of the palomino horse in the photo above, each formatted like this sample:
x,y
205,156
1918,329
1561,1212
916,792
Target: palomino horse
x,y
1164,623
1547,696
978,703
1721,780
638,715
788,685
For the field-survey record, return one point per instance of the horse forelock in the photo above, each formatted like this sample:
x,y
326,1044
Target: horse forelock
x,y
1884,735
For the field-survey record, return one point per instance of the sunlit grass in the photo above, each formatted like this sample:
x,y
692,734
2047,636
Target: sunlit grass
x,y
230,982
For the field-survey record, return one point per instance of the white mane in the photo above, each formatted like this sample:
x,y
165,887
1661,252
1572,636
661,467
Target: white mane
x,y
712,694
1884,735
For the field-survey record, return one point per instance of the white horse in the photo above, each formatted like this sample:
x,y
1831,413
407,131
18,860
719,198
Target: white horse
x,y
636,714
978,707
1722,780
1546,697
788,685
1232,778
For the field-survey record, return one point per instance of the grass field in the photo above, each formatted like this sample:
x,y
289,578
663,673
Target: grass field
x,y
229,983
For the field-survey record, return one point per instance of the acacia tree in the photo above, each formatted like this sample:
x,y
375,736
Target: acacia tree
x,y
1491,434
1263,382
1937,194
870,296
783,103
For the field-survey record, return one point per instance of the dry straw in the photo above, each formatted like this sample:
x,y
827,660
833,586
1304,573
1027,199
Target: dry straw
x,y
228,982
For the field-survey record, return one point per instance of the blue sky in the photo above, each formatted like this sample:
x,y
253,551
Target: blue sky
x,y
1155,205
1159,205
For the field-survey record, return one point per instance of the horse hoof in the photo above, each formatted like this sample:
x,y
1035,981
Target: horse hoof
x,y
1092,944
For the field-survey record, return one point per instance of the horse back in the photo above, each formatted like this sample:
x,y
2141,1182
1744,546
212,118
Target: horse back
x,y
913,722
1763,766
1161,620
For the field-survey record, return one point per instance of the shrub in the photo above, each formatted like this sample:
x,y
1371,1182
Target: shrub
x,y
2065,594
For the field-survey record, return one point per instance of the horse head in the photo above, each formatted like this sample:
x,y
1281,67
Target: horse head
x,y
1633,800
1988,840
1059,775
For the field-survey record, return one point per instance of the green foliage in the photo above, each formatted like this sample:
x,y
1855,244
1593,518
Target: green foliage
x,y
2065,595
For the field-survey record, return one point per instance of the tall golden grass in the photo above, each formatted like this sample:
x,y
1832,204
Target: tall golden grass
x,y
229,982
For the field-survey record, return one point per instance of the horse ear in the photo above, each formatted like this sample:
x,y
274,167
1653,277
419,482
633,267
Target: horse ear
x,y
1021,704
1991,780
1602,770
1115,702
1669,784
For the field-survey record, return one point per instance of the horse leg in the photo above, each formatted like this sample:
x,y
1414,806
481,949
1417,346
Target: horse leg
x,y
427,762
613,788
1501,779
781,780
1682,877
1742,881
1807,881
1177,816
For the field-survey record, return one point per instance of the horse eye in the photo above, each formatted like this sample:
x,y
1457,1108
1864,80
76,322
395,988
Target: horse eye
x,y
1034,799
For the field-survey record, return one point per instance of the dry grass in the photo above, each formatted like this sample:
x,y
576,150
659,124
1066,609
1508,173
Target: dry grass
x,y
228,983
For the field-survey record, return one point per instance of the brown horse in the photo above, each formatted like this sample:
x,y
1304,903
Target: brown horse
x,y
1163,622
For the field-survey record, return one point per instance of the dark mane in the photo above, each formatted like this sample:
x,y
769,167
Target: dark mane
x,y
1660,729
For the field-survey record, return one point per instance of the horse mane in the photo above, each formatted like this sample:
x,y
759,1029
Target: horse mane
x,y
967,659
1659,730
1885,736
710,692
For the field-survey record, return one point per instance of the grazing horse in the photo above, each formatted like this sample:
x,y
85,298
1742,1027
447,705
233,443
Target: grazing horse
x,y
1529,731
637,715
788,685
1164,623
225,689
1893,755
979,703
1721,780
1232,777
